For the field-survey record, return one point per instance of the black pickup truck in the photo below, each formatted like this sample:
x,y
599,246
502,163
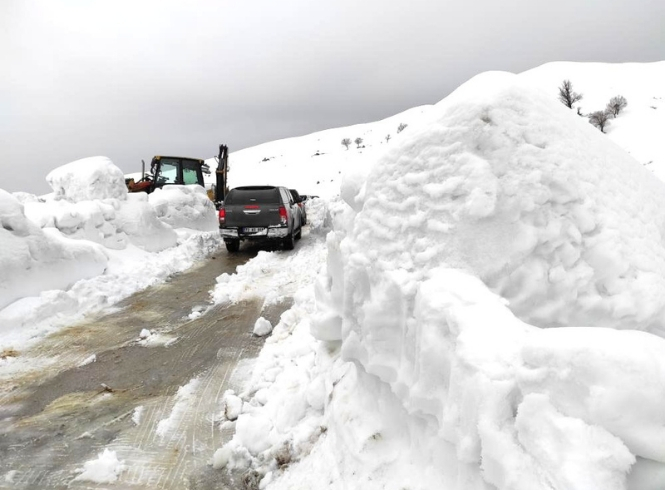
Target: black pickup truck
x,y
259,213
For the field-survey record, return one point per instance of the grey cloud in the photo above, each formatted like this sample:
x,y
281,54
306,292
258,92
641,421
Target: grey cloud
x,y
132,79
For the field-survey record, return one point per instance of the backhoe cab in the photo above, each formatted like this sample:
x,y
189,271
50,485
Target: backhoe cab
x,y
170,170
184,171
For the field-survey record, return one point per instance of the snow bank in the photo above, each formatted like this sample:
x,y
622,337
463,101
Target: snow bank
x,y
33,260
90,244
506,209
91,202
185,206
84,220
88,179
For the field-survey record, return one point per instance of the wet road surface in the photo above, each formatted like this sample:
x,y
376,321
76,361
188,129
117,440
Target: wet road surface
x,y
98,385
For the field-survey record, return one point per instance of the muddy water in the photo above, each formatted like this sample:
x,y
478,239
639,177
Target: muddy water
x,y
69,408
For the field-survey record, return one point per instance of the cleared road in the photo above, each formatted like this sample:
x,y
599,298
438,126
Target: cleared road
x,y
71,406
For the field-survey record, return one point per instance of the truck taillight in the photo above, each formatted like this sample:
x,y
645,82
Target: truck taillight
x,y
282,215
222,216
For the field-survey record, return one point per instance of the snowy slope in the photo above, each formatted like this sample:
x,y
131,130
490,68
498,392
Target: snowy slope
x,y
294,161
314,164
639,128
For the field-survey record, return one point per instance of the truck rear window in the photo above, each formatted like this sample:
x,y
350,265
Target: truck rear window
x,y
257,195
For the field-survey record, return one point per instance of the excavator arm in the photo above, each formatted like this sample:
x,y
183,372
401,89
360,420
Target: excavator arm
x,y
221,174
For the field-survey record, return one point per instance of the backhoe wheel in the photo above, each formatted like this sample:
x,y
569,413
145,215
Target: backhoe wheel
x,y
232,245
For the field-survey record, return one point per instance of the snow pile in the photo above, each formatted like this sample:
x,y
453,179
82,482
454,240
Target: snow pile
x,y
33,260
90,202
508,187
105,469
279,417
501,214
88,179
72,252
185,206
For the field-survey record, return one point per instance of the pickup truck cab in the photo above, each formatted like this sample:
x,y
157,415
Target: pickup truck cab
x,y
259,213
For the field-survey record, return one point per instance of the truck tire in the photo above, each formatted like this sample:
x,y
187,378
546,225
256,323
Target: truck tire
x,y
232,245
288,242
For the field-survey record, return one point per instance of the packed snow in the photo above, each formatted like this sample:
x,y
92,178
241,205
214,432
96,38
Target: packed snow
x,y
478,303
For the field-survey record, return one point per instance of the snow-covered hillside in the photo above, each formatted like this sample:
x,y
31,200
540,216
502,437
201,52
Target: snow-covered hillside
x,y
315,163
639,127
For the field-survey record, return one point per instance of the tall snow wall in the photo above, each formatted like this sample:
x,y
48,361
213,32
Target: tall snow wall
x,y
503,213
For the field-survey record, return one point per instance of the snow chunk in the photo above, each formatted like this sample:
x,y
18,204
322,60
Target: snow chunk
x,y
88,360
137,414
105,469
232,405
88,179
262,327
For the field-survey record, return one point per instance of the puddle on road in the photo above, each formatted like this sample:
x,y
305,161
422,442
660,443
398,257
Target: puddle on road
x,y
53,419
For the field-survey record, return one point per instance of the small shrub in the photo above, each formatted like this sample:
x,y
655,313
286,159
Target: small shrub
x,y
600,119
346,142
567,95
616,105
401,127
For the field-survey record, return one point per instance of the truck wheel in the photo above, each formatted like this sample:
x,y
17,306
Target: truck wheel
x,y
232,245
288,242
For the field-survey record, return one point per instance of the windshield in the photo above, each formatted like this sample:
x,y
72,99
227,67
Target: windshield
x,y
169,172
190,173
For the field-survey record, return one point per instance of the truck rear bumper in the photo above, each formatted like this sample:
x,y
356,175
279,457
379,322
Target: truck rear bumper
x,y
270,233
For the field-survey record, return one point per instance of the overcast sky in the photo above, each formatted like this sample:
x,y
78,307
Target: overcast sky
x,y
131,79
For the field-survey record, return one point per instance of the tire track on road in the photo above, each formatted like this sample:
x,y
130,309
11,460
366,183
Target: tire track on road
x,y
56,415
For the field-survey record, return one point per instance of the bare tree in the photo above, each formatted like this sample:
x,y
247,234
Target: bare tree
x,y
346,142
387,138
567,95
401,127
358,142
600,119
616,105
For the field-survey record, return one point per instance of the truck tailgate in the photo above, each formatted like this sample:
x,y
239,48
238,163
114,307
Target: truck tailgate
x,y
256,215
